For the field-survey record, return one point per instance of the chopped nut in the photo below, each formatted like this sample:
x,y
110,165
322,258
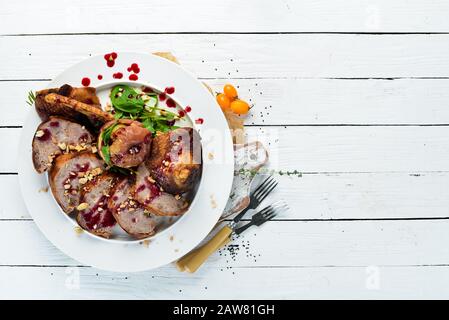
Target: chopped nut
x,y
210,156
39,133
67,186
177,197
78,230
82,206
150,179
94,149
146,243
100,209
44,189
62,146
82,180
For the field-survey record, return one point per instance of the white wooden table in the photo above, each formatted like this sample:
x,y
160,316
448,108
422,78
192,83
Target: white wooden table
x,y
356,94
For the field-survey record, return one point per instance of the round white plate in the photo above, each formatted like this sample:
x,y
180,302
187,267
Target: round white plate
x,y
210,200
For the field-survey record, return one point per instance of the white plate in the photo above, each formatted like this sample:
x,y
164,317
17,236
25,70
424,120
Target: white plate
x,y
192,227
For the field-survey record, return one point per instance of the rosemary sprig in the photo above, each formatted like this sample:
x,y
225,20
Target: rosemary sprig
x,y
31,98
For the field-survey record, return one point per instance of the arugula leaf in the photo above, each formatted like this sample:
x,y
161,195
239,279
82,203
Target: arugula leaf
x,y
126,99
106,154
118,115
132,103
148,123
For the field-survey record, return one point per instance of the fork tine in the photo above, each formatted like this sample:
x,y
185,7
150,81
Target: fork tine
x,y
264,210
266,215
271,216
262,190
262,185
261,197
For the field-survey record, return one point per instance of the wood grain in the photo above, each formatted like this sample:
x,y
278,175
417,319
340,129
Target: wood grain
x,y
258,56
278,244
230,16
407,282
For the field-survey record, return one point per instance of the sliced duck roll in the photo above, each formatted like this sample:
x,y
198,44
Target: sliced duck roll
x,y
130,214
154,198
124,143
94,214
84,94
69,174
76,110
175,160
78,104
56,136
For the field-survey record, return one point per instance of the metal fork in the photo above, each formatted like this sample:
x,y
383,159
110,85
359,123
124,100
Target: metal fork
x,y
261,192
263,216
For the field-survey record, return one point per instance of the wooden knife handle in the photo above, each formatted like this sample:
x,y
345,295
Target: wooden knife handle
x,y
193,260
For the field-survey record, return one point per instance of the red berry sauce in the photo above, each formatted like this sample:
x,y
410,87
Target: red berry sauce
x,y
199,121
171,103
110,59
188,108
170,90
162,96
117,75
133,77
100,77
85,82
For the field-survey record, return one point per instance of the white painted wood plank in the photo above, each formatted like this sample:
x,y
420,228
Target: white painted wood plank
x,y
324,196
231,16
355,149
303,101
279,244
327,149
241,55
238,283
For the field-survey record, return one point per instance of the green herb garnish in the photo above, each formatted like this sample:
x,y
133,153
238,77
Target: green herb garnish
x,y
105,140
129,103
31,98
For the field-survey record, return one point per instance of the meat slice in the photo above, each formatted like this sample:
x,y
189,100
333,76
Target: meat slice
x,y
130,214
175,160
56,104
86,95
57,136
69,173
129,143
155,200
93,211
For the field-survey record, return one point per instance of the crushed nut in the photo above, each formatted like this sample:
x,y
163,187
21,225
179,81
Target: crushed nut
x,y
82,206
39,133
44,189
